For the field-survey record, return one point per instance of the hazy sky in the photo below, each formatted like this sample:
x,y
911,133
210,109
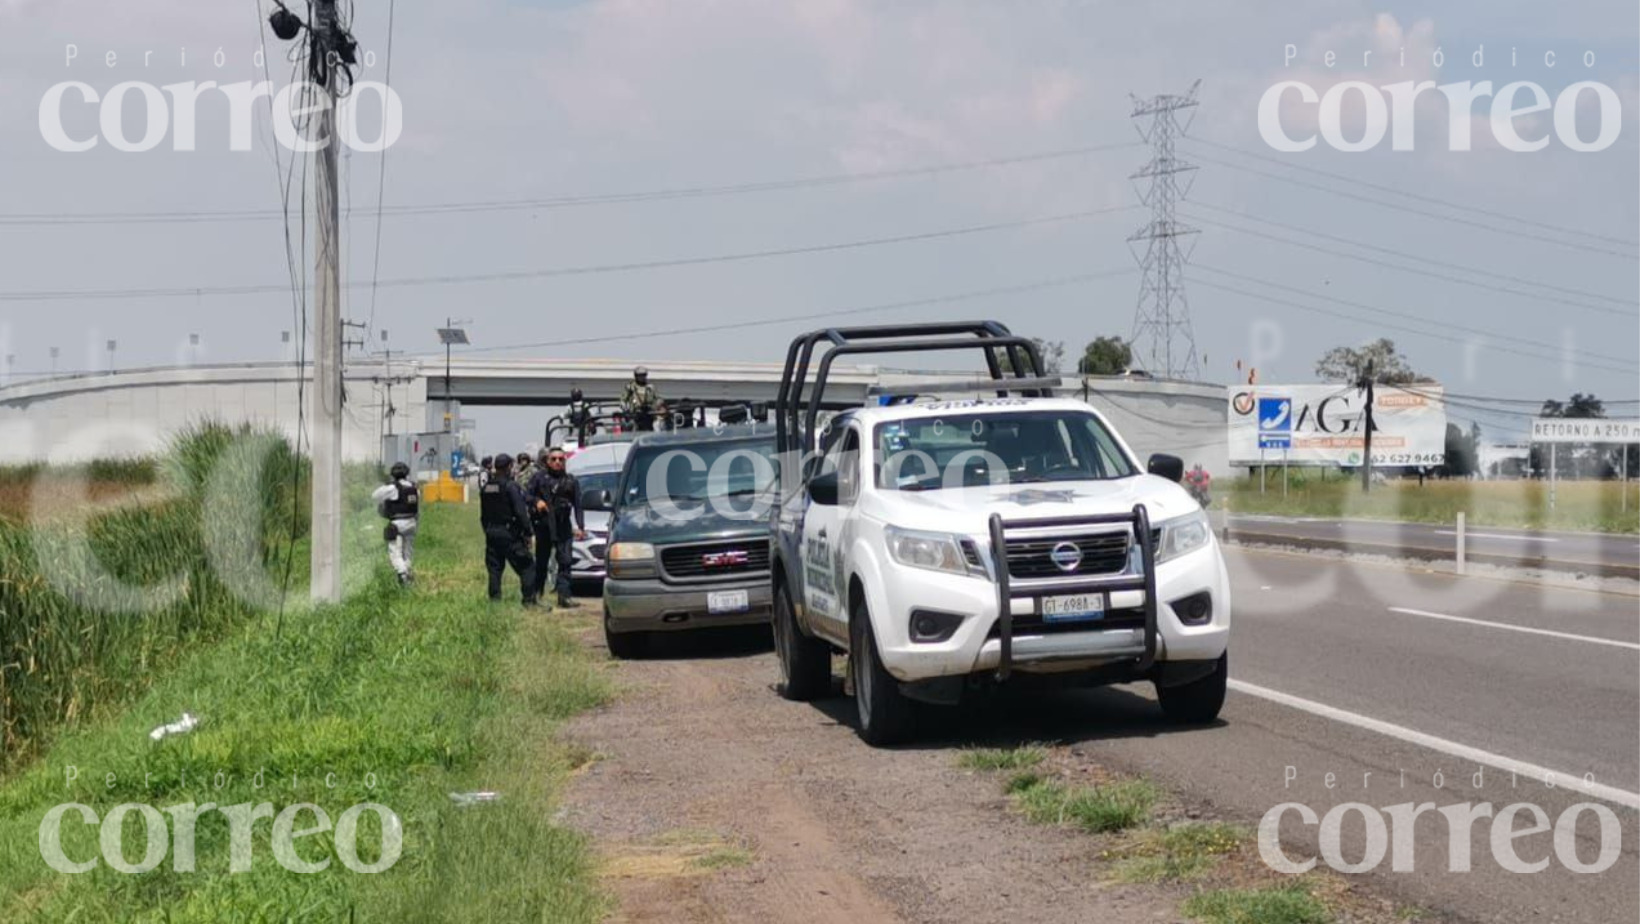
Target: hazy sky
x,y
508,101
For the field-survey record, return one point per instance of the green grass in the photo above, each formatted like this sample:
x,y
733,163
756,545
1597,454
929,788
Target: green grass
x,y
1184,851
1107,807
92,606
1291,904
1579,505
400,698
1023,757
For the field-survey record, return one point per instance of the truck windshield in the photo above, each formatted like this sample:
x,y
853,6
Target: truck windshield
x,y
698,471
964,449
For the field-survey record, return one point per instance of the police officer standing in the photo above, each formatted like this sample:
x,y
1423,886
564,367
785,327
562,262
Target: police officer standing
x,y
400,502
556,496
640,401
506,520
486,471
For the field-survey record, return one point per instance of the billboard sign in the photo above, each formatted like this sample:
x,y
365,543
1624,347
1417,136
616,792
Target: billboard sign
x,y
1584,430
1323,425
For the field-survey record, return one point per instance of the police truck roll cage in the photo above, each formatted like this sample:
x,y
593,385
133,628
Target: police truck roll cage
x,y
796,417
994,339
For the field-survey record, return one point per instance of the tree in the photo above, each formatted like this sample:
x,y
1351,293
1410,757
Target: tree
x,y
1460,452
1053,357
1106,356
1580,406
1349,364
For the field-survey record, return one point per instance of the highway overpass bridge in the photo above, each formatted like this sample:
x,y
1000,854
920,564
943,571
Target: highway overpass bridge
x,y
135,412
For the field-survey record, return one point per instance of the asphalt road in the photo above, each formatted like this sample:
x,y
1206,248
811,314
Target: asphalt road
x,y
1367,673
1566,550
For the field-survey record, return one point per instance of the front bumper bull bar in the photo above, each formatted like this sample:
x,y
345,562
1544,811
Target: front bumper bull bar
x,y
1145,580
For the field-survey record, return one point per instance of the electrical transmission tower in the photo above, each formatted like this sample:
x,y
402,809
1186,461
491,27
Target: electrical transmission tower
x,y
1162,337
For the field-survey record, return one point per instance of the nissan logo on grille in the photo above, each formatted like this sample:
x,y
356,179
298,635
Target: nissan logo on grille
x,y
1067,556
725,559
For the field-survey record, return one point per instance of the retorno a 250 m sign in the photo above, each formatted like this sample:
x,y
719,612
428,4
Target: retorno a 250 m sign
x,y
1326,424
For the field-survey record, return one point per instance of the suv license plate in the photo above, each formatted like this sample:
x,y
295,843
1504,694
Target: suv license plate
x,y
1073,608
728,601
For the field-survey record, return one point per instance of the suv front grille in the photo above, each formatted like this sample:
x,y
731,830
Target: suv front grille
x,y
708,560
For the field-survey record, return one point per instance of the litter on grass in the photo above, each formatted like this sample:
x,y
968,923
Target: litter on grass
x,y
181,726
465,799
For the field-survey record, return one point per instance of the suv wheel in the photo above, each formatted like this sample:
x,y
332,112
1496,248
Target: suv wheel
x,y
805,663
1199,701
624,645
884,712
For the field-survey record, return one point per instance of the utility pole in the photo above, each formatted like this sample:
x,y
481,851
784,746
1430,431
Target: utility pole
x,y
1162,333
327,372
1366,445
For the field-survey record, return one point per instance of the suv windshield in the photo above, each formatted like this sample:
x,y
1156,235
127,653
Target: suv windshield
x,y
962,449
697,471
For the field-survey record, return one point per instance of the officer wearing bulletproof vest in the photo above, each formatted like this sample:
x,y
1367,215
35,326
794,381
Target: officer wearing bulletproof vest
x,y
640,401
399,502
556,497
506,520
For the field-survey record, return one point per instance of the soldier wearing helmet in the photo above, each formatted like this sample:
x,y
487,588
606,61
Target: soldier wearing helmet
x,y
640,401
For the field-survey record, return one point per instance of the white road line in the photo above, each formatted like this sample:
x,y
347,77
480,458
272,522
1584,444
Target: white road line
x,y
1474,535
1560,779
1593,640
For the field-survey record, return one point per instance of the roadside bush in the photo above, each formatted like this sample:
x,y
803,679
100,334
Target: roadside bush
x,y
90,606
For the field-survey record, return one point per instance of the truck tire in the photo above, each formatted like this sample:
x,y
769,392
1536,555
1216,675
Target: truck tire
x,y
805,663
885,714
1199,701
624,646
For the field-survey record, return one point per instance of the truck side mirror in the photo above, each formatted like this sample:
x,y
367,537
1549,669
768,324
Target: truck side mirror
x,y
1169,467
823,489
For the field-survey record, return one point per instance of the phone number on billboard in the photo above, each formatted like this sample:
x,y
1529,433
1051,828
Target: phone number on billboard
x,y
1409,458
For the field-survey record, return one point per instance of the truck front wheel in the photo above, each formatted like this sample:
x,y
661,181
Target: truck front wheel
x,y
1199,701
805,663
885,713
624,646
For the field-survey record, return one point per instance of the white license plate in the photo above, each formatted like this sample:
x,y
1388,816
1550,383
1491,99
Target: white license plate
x,y
1073,608
728,601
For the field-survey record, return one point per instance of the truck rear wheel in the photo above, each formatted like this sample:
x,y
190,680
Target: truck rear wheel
x,y
805,663
1199,701
885,713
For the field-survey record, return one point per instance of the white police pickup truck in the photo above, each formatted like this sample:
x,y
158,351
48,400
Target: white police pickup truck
x,y
947,544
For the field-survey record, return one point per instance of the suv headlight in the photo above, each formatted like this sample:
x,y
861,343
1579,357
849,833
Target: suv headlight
x,y
630,559
1181,535
933,551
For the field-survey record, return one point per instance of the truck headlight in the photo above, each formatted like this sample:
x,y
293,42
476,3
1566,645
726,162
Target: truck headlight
x,y
631,559
1183,534
933,551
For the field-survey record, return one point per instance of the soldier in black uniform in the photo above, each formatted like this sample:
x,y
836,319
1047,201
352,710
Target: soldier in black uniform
x,y
555,496
506,519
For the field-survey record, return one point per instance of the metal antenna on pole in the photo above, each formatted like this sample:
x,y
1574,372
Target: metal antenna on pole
x,y
1162,336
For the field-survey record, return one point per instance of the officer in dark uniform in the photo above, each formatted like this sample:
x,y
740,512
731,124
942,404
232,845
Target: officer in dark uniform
x,y
555,495
506,520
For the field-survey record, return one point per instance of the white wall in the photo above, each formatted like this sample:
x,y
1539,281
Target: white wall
x,y
137,413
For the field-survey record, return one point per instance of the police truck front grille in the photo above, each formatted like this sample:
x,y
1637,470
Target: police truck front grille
x,y
716,559
1035,557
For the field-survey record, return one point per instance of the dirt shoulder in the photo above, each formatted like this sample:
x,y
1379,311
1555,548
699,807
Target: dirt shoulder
x,y
712,799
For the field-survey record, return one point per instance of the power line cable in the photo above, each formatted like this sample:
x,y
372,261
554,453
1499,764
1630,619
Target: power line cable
x,y
381,179
1479,332
1629,313
1420,197
1385,324
810,316
557,202
594,269
1415,211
